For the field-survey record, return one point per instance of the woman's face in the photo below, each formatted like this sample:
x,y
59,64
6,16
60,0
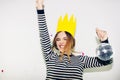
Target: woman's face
x,y
61,41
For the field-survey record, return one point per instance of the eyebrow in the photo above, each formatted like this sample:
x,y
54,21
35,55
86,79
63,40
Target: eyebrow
x,y
63,38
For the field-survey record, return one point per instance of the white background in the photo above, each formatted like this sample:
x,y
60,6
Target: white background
x,y
20,52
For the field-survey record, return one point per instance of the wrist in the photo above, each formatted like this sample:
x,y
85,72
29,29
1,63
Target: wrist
x,y
105,41
40,7
40,11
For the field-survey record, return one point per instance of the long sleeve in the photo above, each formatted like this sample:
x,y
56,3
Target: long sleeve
x,y
95,61
44,35
91,62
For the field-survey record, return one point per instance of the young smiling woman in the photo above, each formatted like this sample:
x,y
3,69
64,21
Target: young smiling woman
x,y
64,65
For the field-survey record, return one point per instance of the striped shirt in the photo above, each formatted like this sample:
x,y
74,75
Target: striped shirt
x,y
63,70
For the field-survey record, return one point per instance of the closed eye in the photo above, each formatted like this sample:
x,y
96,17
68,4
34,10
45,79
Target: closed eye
x,y
65,38
57,39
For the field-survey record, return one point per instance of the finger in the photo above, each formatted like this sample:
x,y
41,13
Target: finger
x,y
98,32
103,33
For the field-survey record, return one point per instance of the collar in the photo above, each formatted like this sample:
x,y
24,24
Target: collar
x,y
66,55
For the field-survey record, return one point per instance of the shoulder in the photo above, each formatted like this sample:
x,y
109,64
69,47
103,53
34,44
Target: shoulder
x,y
78,53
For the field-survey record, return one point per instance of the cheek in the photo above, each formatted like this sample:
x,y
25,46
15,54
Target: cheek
x,y
57,43
65,41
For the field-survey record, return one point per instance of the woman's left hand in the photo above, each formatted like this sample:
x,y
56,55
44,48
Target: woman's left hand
x,y
102,35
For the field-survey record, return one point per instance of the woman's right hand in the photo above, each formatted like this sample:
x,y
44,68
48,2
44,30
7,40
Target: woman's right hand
x,y
39,4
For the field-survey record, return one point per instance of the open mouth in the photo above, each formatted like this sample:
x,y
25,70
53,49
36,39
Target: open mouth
x,y
61,46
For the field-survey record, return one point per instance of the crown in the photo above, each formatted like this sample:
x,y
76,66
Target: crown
x,y
67,25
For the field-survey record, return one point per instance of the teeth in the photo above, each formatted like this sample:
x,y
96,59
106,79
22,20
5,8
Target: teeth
x,y
61,46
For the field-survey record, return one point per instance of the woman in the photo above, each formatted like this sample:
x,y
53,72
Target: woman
x,y
63,64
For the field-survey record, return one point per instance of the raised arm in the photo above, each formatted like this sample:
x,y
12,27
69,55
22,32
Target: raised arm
x,y
95,61
44,35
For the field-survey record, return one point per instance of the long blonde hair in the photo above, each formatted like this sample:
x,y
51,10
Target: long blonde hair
x,y
69,48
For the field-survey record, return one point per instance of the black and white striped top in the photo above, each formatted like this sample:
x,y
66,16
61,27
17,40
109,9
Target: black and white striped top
x,y
65,70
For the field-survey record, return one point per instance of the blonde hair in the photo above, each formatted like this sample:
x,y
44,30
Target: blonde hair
x,y
69,48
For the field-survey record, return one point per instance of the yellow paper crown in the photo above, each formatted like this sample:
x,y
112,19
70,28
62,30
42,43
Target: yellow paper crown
x,y
67,25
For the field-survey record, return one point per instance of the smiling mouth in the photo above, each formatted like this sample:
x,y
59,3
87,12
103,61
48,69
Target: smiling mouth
x,y
61,46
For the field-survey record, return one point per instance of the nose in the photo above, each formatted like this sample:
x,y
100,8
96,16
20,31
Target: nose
x,y
62,41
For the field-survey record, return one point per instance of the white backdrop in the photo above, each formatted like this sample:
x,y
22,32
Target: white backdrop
x,y
20,53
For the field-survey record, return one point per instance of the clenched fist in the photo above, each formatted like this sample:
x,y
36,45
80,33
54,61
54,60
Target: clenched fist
x,y
102,35
39,4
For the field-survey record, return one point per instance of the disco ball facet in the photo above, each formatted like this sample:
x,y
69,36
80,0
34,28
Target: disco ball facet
x,y
104,51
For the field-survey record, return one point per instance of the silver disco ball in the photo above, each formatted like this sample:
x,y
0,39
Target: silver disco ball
x,y
104,51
